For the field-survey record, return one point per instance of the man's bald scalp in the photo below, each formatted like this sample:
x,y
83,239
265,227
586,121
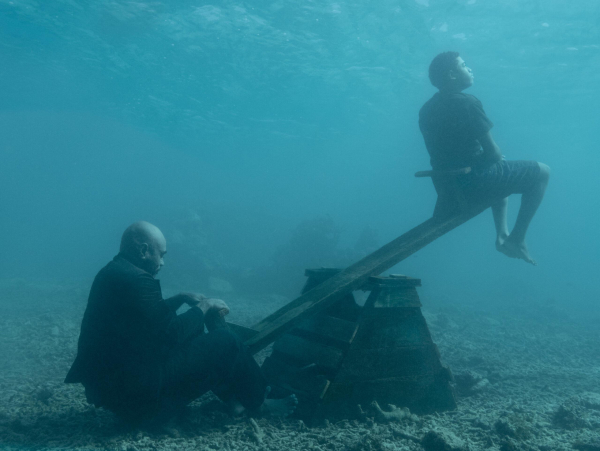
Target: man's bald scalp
x,y
137,234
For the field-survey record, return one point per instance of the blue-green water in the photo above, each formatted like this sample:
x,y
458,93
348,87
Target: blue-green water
x,y
229,124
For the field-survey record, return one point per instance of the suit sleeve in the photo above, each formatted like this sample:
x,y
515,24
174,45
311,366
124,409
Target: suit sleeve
x,y
162,322
174,302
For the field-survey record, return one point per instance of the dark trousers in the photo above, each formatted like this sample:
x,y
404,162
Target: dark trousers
x,y
216,361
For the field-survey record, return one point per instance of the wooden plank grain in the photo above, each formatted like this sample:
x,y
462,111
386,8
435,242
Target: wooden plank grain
x,y
391,331
405,282
394,298
370,364
242,332
355,276
327,329
306,352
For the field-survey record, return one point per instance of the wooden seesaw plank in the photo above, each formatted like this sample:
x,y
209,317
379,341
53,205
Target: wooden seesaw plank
x,y
352,278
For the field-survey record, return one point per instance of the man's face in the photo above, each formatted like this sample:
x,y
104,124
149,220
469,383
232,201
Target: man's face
x,y
153,254
462,75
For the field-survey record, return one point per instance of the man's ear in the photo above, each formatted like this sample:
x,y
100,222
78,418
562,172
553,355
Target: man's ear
x,y
451,75
143,250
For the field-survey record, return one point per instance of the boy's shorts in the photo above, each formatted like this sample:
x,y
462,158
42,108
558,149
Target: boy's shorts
x,y
500,180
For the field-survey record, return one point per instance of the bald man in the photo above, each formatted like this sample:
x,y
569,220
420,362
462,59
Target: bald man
x,y
139,359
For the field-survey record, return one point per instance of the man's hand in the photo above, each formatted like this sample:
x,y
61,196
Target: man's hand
x,y
217,305
205,304
192,299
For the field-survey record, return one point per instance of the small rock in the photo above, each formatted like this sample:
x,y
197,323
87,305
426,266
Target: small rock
x,y
442,440
587,446
480,386
489,442
504,428
573,413
442,321
301,426
470,382
256,432
590,400
509,445
44,394
393,414
171,431
514,427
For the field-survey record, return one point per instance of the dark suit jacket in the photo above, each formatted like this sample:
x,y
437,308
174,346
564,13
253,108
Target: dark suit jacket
x,y
127,332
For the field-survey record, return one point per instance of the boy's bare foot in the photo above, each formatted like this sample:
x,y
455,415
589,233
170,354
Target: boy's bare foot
x,y
516,250
283,407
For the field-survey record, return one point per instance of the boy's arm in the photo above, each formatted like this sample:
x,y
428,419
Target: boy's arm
x,y
491,151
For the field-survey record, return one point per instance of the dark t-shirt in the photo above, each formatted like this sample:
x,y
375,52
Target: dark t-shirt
x,y
451,125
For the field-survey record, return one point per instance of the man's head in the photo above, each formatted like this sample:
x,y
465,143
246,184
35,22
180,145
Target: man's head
x,y
448,72
145,246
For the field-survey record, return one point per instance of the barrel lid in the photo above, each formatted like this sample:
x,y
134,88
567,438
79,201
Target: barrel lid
x,y
395,280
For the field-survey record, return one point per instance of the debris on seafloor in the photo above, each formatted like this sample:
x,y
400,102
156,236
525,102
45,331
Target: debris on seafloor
x,y
394,413
587,445
443,440
470,382
367,443
513,426
44,394
257,433
514,413
579,412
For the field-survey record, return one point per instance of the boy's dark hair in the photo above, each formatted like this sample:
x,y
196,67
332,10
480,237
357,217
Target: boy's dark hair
x,y
440,66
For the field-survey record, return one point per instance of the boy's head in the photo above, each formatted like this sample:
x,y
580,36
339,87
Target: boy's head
x,y
448,71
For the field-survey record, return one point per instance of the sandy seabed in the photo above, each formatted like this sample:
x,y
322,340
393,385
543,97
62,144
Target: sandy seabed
x,y
527,378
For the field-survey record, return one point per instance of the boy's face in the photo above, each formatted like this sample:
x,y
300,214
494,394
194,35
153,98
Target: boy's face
x,y
462,77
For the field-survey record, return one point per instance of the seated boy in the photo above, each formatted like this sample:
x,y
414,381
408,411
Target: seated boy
x,y
457,136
